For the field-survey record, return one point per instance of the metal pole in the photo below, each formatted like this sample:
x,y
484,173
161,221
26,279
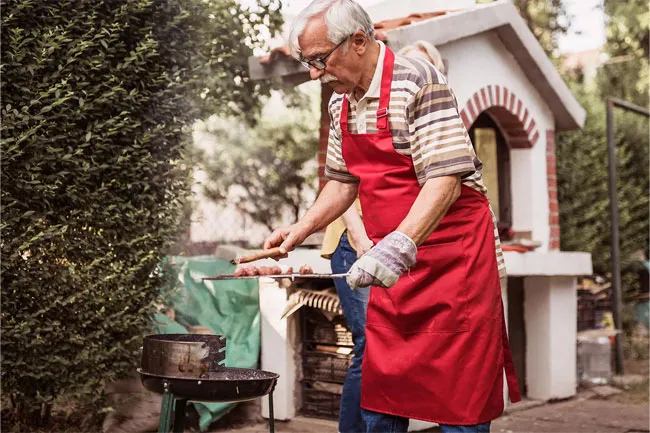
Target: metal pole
x,y
179,416
166,409
271,420
615,247
629,106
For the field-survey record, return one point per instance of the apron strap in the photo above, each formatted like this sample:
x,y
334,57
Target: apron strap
x,y
384,96
508,364
344,114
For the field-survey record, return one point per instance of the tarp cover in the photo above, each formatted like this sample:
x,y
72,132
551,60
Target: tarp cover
x,y
226,307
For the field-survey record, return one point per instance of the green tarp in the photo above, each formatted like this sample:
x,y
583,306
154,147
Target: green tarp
x,y
229,308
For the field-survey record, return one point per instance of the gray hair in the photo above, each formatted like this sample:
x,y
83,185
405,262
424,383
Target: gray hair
x,y
426,50
342,18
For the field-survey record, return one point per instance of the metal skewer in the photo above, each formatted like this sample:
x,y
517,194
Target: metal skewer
x,y
293,276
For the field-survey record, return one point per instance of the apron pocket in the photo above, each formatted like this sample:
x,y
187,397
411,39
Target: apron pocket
x,y
432,296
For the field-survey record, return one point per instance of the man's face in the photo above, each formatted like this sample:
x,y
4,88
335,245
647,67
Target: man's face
x,y
343,66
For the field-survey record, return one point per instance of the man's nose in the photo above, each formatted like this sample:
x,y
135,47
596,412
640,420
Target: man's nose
x,y
316,73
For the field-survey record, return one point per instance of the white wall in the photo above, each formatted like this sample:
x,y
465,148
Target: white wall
x,y
482,60
278,354
550,309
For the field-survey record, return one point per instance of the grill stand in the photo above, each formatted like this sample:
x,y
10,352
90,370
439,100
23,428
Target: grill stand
x,y
171,404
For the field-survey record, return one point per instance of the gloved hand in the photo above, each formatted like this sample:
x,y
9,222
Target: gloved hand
x,y
384,263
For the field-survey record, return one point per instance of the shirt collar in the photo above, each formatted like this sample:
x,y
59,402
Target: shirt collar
x,y
374,90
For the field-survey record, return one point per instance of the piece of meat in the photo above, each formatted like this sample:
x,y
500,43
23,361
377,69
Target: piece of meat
x,y
252,271
265,270
289,270
240,272
305,269
276,270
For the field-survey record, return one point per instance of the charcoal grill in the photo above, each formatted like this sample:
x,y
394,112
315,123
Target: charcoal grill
x,y
189,367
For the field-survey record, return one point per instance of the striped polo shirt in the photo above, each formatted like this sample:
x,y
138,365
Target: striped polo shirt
x,y
424,122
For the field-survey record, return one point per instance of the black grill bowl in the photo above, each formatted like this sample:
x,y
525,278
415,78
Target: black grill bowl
x,y
229,384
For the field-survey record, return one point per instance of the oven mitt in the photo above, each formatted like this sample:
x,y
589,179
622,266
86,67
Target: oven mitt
x,y
384,263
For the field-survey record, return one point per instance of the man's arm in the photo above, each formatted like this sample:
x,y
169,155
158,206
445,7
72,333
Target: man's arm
x,y
431,204
397,252
439,137
334,199
357,231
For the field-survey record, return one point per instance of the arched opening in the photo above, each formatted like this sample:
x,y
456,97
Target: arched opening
x,y
493,150
498,122
507,110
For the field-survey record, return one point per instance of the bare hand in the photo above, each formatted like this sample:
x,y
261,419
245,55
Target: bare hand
x,y
362,243
288,238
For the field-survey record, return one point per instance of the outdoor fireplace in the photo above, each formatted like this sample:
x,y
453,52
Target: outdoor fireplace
x,y
326,352
322,345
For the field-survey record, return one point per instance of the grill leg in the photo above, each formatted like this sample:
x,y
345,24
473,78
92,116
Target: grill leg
x,y
179,416
166,410
271,420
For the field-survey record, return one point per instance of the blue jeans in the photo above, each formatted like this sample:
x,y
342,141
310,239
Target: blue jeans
x,y
383,423
354,304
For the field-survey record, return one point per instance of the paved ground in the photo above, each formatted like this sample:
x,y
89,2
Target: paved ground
x,y
583,414
577,416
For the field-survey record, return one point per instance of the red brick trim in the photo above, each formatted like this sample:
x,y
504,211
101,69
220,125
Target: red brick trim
x,y
551,179
507,110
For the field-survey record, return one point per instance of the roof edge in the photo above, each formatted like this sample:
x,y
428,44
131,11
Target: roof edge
x,y
503,18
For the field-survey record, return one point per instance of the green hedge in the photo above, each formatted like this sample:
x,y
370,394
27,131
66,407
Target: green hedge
x,y
582,166
95,97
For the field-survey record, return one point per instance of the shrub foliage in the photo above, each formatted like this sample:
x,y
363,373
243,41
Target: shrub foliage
x,y
95,98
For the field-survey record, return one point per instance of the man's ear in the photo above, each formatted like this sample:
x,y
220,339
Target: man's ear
x,y
359,42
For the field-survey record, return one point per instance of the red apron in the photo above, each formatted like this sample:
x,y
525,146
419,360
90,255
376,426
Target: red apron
x,y
436,342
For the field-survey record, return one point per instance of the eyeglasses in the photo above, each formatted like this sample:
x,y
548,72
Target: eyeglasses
x,y
321,62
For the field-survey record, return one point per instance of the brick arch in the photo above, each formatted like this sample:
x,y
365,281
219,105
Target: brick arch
x,y
507,110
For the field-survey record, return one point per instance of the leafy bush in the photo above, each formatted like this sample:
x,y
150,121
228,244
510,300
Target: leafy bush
x,y
582,155
582,185
95,98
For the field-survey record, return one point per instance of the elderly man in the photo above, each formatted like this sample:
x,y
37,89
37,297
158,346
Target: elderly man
x,y
344,241
436,344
